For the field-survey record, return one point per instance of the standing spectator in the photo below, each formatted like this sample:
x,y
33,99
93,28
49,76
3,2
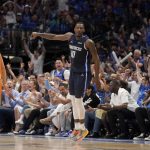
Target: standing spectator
x,y
10,18
91,101
37,59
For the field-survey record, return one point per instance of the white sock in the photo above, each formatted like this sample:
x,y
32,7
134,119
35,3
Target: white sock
x,y
80,108
74,108
82,126
77,126
75,113
81,111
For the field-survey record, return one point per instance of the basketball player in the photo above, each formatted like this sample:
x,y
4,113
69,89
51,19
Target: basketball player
x,y
81,48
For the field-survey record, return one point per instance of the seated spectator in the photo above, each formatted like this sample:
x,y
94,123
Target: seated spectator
x,y
148,65
122,106
40,82
30,68
91,101
34,103
59,74
136,58
21,69
27,15
62,124
134,85
9,96
144,86
23,95
17,80
141,114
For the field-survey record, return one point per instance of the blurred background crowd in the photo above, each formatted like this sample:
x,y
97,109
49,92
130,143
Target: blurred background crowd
x,y
114,25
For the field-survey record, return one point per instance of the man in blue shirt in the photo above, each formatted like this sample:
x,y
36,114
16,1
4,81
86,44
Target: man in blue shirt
x,y
9,96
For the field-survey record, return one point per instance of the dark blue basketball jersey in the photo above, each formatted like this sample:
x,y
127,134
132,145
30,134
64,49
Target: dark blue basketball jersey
x,y
80,57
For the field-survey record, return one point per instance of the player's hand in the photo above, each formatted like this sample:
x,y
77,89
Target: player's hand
x,y
34,35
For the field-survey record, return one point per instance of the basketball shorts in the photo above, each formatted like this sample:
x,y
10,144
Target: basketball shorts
x,y
78,82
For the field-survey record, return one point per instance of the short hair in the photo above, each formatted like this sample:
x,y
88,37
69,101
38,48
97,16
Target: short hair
x,y
124,84
116,82
58,58
63,84
91,87
80,22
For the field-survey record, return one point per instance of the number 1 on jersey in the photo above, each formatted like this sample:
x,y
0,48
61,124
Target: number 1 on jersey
x,y
73,53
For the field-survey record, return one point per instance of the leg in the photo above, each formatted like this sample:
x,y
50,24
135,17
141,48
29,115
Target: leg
x,y
141,114
62,121
89,120
124,116
8,113
68,115
97,125
112,117
81,112
17,113
81,82
106,123
43,114
78,83
2,112
34,113
21,119
75,113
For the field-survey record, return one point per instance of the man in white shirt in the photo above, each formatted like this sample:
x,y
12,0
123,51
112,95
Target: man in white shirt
x,y
37,59
122,106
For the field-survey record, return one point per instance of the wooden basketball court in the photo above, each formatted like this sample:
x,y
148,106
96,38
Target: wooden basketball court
x,y
51,143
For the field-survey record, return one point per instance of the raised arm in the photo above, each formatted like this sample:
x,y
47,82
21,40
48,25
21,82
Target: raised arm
x,y
34,6
43,49
8,2
11,72
26,48
146,99
139,76
50,36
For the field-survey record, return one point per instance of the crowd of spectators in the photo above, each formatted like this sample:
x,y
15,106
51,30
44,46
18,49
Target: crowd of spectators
x,y
116,22
38,103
